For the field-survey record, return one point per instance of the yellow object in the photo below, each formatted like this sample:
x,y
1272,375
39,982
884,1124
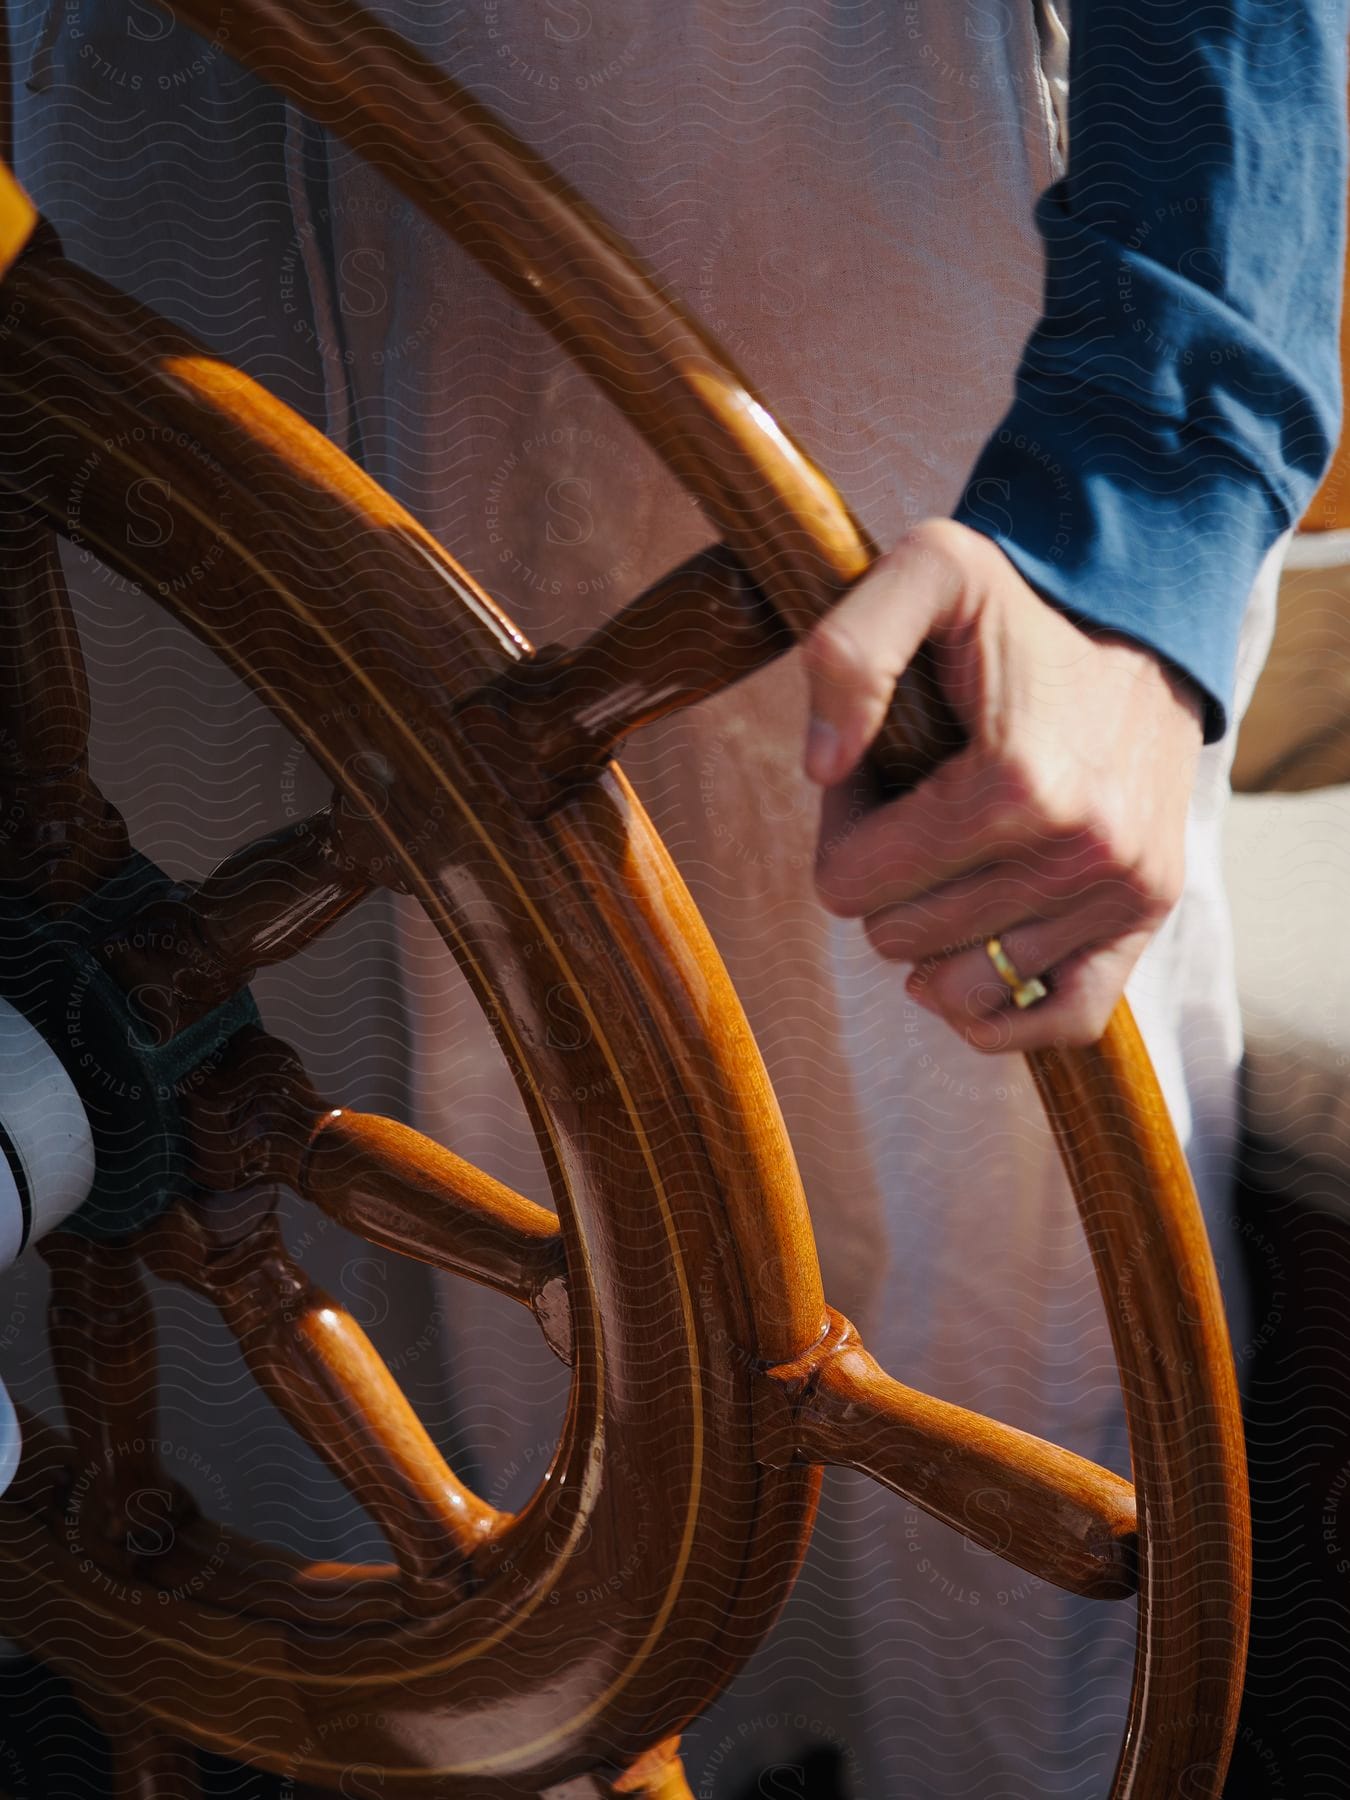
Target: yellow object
x,y
1024,993
18,216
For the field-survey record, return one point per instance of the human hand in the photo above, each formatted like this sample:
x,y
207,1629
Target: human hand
x,y
1060,828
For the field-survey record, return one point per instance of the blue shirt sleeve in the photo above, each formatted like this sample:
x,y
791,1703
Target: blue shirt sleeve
x,y
1179,398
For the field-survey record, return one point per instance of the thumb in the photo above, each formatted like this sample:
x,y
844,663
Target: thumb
x,y
858,652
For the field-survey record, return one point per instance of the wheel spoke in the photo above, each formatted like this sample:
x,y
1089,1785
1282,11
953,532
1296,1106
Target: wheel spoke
x,y
44,705
1063,1518
401,1190
325,1377
258,1118
102,1334
252,1118
261,905
61,837
147,1765
659,1775
258,1579
549,723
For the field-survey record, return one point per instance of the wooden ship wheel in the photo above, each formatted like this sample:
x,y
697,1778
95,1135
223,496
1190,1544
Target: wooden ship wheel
x,y
678,1276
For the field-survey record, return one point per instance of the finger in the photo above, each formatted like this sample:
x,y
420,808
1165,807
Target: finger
x,y
963,817
858,652
959,915
966,986
1084,988
843,810
1087,989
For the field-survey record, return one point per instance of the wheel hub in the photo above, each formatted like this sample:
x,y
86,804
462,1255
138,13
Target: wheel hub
x,y
125,1159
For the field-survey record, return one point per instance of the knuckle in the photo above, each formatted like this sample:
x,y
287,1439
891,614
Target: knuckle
x,y
829,649
1016,796
1089,867
935,546
936,975
846,886
1147,886
1162,881
888,939
991,1036
836,892
1086,823
945,540
834,656
1097,841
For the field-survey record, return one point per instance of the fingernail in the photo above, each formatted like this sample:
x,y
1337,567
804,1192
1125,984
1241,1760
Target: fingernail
x,y
822,751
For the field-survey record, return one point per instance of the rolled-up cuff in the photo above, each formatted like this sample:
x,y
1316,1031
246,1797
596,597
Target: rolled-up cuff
x,y
1132,526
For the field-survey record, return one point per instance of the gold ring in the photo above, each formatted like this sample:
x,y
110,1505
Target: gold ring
x,y
1024,993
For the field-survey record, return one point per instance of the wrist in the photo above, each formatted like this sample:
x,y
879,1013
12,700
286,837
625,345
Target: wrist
x,y
1190,698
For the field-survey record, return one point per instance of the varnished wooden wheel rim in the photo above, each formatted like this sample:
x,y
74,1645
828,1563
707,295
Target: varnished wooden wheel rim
x,y
677,1196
